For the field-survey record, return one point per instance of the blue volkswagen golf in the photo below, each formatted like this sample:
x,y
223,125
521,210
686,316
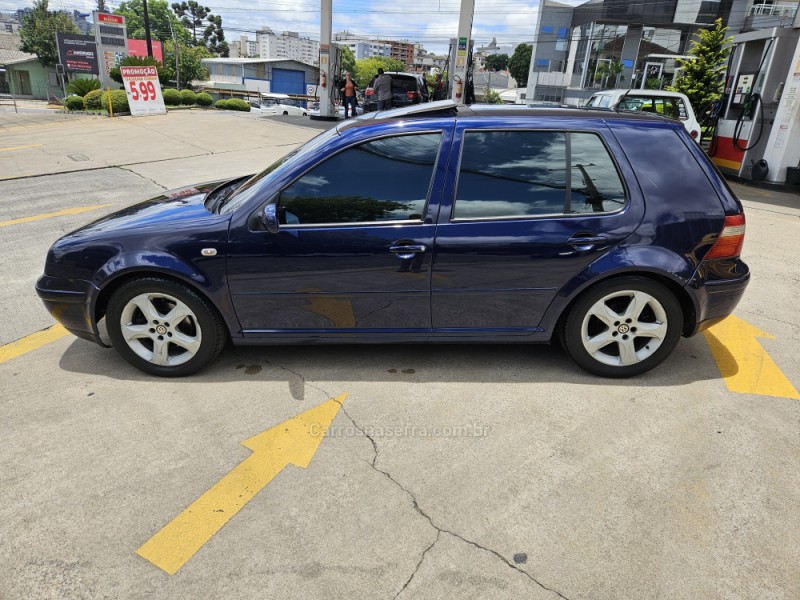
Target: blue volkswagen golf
x,y
609,232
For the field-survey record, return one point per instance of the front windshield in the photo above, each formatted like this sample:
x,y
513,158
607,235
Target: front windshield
x,y
259,185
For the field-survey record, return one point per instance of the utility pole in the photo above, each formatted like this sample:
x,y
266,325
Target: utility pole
x,y
175,47
460,67
326,77
147,30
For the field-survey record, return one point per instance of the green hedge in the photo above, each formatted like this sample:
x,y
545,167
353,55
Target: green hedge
x,y
74,103
221,104
204,99
237,104
188,97
119,101
94,100
172,97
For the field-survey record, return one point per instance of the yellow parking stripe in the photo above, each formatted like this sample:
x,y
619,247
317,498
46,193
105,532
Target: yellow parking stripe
x,y
31,342
59,213
20,147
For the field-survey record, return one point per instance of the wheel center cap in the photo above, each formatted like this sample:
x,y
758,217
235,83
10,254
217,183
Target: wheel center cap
x,y
161,330
624,328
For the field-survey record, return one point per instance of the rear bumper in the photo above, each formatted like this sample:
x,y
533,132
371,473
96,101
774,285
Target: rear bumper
x,y
717,298
71,302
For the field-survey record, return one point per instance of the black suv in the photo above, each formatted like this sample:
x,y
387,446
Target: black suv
x,y
407,89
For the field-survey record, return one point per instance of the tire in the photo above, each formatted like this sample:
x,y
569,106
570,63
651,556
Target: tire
x,y
164,328
623,327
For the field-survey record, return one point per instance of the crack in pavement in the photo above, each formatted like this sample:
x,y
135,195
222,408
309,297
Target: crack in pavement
x,y
414,502
419,564
163,187
439,530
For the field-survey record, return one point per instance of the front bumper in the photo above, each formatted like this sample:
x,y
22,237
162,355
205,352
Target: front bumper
x,y
71,302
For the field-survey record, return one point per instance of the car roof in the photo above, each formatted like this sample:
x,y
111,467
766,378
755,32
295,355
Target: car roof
x,y
634,92
450,108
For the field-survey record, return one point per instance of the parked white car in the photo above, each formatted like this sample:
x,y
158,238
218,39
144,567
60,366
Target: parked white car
x,y
669,104
279,104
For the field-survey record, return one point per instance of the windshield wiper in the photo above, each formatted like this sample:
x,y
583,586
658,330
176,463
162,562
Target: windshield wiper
x,y
219,195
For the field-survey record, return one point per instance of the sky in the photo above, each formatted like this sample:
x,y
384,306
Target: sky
x,y
431,22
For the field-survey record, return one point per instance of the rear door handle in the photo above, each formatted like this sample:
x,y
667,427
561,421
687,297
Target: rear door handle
x,y
587,242
406,251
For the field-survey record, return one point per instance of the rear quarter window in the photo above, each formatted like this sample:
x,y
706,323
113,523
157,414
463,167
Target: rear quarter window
x,y
668,174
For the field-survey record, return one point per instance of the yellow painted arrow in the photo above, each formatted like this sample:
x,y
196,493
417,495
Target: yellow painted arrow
x,y
292,442
743,362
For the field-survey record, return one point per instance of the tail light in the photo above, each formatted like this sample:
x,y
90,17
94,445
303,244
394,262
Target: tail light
x,y
730,240
412,95
369,91
694,133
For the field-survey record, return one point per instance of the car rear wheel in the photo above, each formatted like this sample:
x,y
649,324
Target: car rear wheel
x,y
623,327
163,327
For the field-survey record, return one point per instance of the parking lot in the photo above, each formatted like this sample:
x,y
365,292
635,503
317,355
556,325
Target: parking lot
x,y
454,471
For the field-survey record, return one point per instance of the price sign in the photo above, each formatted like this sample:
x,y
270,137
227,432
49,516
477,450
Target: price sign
x,y
143,90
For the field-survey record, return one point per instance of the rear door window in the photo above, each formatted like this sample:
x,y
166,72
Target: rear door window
x,y
507,174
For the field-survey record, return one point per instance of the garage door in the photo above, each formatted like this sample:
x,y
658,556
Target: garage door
x,y
286,81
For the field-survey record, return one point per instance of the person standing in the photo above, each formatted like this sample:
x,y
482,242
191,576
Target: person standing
x,y
349,90
438,88
382,89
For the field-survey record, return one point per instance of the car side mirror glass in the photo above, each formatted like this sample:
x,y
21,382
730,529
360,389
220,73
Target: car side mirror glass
x,y
269,217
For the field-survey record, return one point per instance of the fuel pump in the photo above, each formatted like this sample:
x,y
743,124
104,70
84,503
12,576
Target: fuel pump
x,y
757,72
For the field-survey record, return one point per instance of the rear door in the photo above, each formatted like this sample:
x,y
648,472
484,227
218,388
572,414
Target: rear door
x,y
530,204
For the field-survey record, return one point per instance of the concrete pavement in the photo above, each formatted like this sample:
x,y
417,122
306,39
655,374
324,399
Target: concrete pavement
x,y
449,472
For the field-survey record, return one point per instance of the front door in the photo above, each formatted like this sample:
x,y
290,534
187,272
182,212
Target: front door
x,y
352,255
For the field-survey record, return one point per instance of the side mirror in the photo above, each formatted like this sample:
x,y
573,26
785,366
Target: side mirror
x,y
269,217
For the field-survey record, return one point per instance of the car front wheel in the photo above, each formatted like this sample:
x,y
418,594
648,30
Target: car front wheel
x,y
623,327
164,328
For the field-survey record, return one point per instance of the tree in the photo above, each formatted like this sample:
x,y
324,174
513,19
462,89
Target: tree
x,y
520,63
189,62
702,79
214,36
347,60
608,73
497,62
192,15
38,32
162,20
367,68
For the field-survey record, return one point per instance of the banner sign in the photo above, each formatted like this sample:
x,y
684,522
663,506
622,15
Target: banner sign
x,y
143,90
112,43
139,48
78,53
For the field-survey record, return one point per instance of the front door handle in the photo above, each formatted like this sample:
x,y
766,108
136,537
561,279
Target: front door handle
x,y
406,251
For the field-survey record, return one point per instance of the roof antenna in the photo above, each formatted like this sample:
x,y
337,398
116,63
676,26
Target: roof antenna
x,y
616,106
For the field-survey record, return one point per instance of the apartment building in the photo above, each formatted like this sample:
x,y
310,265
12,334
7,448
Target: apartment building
x,y
287,45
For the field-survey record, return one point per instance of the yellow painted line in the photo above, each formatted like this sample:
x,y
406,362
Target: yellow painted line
x,y
20,147
17,176
59,213
31,342
292,442
743,362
